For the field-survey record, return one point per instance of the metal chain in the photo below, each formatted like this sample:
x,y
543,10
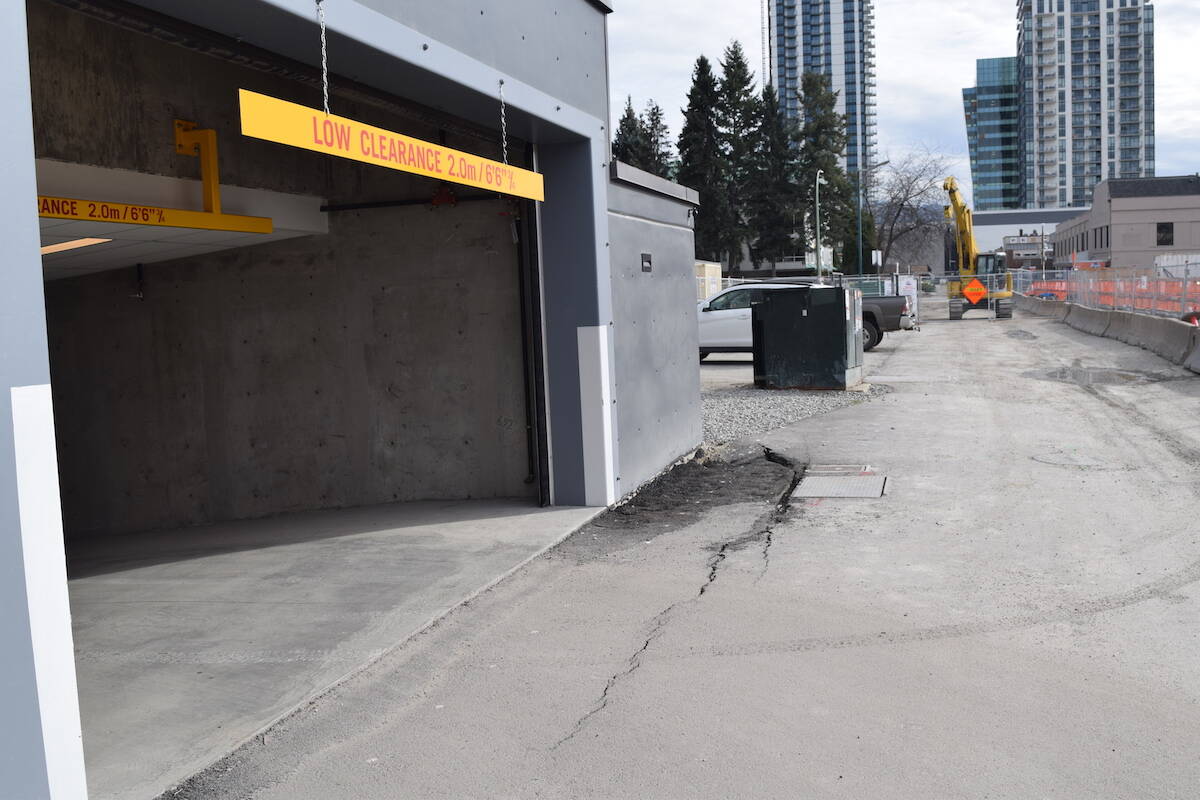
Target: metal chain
x,y
503,125
324,56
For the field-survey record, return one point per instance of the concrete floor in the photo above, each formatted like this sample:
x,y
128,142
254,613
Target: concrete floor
x,y
726,370
1018,617
189,642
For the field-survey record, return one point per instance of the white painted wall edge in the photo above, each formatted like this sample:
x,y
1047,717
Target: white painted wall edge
x,y
46,587
596,415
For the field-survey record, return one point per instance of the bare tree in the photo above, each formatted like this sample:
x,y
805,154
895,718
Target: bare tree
x,y
908,201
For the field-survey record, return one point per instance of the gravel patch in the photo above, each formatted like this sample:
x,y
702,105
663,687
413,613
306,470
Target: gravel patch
x,y
733,412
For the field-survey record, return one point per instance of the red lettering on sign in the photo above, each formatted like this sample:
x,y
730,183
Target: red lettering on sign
x,y
58,207
331,134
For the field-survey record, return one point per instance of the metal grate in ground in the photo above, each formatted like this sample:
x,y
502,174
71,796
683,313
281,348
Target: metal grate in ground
x,y
868,486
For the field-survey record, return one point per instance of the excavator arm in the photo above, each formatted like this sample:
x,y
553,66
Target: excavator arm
x,y
967,250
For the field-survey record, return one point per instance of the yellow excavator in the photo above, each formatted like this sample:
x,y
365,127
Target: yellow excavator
x,y
975,281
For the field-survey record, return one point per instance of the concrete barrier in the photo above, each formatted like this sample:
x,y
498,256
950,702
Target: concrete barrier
x,y
1140,331
1192,361
1119,325
1026,303
1043,308
1170,338
1088,320
1176,341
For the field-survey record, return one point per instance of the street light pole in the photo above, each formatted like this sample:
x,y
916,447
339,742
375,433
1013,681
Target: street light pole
x,y
820,180
860,221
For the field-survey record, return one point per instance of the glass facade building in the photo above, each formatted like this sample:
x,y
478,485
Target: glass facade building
x,y
1086,106
992,135
834,38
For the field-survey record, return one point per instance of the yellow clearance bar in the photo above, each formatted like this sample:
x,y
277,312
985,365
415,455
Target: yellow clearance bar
x,y
287,123
128,214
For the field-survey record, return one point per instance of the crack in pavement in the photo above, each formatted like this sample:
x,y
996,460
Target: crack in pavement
x,y
782,507
766,554
631,666
761,530
714,565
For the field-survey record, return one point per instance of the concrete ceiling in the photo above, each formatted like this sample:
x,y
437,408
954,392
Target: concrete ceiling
x,y
293,216
135,244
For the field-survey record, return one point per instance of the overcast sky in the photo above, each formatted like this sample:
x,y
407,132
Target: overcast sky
x,y
925,55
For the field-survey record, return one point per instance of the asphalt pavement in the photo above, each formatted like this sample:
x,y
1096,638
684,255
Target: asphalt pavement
x,y
1016,617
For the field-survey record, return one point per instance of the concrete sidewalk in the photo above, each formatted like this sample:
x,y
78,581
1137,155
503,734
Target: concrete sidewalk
x,y
1016,618
189,642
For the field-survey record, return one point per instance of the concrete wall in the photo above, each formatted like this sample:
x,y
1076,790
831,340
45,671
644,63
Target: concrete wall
x,y
1135,228
572,147
379,363
655,332
373,365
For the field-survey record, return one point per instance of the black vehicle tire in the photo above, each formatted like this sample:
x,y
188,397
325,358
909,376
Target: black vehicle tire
x,y
871,335
703,354
956,309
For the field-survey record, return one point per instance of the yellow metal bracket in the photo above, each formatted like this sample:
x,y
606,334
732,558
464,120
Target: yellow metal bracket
x,y
191,140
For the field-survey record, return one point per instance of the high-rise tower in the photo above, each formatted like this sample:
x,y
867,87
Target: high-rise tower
x,y
992,134
834,38
1086,72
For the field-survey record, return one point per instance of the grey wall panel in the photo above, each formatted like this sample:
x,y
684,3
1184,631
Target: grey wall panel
x,y
374,365
569,289
657,368
556,46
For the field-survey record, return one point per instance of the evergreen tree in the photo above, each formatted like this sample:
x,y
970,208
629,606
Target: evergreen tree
x,y
738,117
701,162
631,144
773,192
822,143
658,140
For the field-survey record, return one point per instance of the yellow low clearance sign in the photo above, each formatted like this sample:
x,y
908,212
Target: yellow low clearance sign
x,y
292,124
130,214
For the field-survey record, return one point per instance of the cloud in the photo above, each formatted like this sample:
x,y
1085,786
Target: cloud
x,y
653,45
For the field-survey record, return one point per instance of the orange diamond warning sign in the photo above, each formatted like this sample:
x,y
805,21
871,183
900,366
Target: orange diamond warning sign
x,y
975,291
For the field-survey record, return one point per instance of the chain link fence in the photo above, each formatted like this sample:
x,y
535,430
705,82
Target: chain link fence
x,y
1160,291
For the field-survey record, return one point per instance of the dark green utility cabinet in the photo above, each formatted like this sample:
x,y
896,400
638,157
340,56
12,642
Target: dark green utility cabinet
x,y
808,338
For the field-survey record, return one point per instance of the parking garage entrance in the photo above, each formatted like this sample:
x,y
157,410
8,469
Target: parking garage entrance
x,y
299,401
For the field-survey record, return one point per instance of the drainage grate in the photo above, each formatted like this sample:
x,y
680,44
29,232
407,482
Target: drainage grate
x,y
841,486
833,470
